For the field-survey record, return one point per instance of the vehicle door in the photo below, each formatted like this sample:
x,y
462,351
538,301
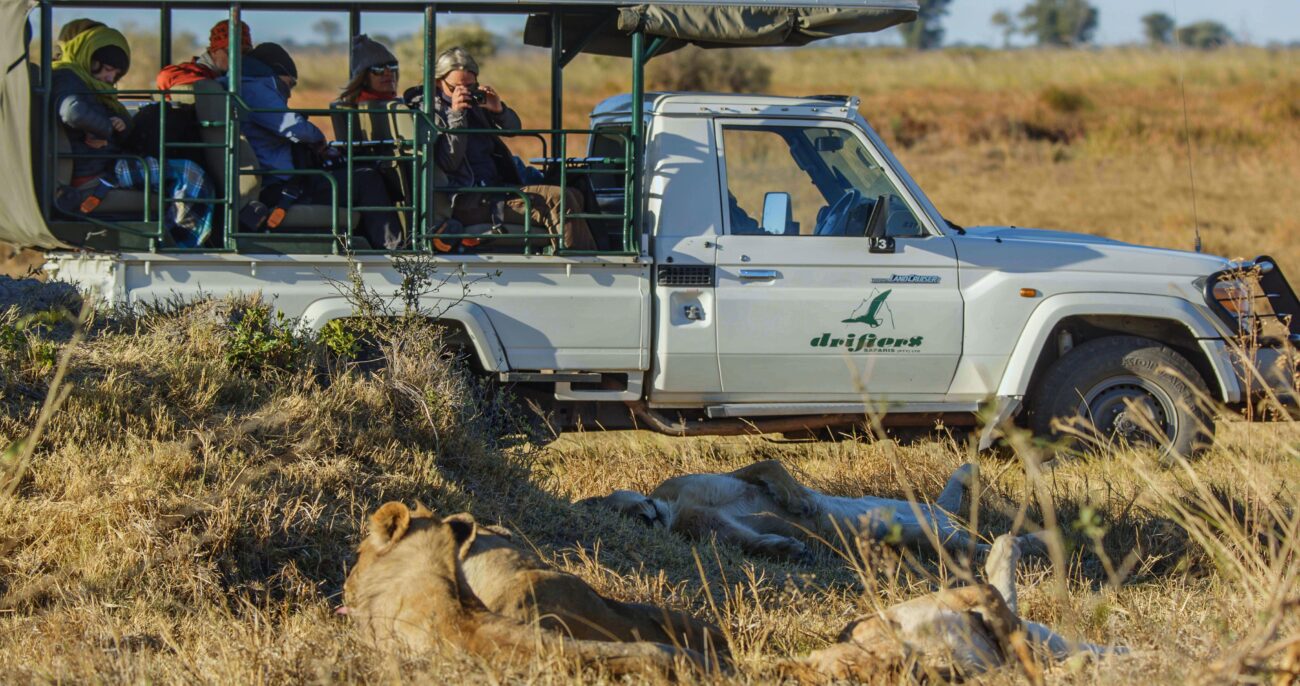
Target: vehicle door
x,y
806,310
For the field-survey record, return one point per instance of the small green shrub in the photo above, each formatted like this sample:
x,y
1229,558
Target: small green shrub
x,y
26,341
1065,100
259,342
340,339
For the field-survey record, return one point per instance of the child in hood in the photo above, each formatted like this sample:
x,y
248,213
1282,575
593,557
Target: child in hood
x,y
95,122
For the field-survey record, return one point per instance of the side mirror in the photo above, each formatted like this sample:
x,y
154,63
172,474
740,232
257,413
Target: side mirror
x,y
828,143
777,214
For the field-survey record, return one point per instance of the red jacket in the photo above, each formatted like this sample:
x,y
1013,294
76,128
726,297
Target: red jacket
x,y
184,73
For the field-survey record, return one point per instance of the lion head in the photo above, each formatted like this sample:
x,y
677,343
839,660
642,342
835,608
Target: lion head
x,y
635,506
406,584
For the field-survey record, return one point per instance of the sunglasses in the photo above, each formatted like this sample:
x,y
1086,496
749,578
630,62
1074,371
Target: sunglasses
x,y
379,69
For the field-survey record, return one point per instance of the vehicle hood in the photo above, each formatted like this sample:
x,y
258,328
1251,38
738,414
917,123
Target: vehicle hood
x,y
1013,248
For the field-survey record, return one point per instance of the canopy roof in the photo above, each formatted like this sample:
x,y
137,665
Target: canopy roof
x,y
724,24
600,26
363,5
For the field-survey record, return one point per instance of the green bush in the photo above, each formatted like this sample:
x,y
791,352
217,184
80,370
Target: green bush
x,y
340,339
694,69
1065,100
258,342
480,42
26,340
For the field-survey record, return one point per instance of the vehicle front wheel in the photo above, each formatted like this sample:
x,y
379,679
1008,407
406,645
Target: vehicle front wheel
x,y
1126,389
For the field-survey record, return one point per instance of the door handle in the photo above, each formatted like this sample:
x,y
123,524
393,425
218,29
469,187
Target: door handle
x,y
759,274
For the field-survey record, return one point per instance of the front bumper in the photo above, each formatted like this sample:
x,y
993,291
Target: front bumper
x,y
1264,349
1268,373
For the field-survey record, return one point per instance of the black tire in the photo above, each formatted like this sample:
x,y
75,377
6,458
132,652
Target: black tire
x,y
1095,386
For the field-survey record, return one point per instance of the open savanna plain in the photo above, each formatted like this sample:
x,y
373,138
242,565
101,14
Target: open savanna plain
x,y
185,487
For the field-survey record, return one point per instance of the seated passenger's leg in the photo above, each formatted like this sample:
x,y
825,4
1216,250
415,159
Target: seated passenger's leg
x,y
189,223
382,229
546,213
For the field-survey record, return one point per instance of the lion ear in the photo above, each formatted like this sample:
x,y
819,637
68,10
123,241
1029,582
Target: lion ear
x,y
388,524
464,529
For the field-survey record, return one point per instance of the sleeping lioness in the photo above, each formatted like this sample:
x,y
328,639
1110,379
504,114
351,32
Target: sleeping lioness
x,y
420,579
765,511
951,634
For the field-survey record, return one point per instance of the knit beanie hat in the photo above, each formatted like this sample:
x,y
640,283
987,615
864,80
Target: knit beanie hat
x,y
219,37
275,57
453,59
112,56
367,53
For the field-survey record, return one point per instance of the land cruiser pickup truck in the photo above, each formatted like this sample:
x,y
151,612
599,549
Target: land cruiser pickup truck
x,y
789,274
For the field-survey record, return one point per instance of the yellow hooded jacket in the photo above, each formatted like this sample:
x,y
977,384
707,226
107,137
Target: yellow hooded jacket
x,y
76,58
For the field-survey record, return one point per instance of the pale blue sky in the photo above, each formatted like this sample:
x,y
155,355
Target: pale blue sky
x,y
1259,21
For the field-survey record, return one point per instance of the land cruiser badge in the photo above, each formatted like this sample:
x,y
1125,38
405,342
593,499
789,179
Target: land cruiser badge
x,y
907,278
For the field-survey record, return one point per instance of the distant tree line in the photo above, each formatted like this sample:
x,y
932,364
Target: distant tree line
x,y
1048,23
1063,23
1160,29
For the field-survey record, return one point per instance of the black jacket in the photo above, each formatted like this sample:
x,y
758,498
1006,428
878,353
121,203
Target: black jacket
x,y
81,112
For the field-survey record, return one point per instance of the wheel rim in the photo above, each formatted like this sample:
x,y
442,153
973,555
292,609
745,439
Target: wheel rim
x,y
1127,407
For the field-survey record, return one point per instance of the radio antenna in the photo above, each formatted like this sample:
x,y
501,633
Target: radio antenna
x,y
1187,128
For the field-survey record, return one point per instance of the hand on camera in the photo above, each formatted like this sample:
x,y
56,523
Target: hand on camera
x,y
492,101
462,98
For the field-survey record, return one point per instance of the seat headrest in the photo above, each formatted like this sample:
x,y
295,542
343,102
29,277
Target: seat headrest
x,y
209,103
183,95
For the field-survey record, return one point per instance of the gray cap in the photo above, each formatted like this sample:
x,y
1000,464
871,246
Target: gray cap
x,y
367,53
453,59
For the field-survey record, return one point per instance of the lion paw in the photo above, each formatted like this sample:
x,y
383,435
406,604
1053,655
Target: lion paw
x,y
783,548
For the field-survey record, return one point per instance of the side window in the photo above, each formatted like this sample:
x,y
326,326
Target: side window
x,y
608,143
607,177
808,181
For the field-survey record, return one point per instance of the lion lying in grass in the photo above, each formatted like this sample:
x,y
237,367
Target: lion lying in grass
x,y
421,579
765,511
950,634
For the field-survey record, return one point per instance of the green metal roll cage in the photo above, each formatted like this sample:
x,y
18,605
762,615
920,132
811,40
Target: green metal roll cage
x,y
150,234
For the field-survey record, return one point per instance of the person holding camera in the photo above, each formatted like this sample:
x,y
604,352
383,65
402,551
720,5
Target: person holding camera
x,y
482,159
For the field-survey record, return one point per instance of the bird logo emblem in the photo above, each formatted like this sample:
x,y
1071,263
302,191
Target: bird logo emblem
x,y
876,310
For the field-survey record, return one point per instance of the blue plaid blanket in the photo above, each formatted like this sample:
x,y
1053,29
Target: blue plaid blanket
x,y
190,223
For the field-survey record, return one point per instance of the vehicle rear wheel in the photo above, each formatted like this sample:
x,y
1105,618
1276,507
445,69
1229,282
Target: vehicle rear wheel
x,y
1124,388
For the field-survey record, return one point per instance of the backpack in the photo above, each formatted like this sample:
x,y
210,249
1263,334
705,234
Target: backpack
x,y
182,127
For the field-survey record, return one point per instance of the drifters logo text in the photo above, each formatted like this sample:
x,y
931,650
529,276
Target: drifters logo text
x,y
873,312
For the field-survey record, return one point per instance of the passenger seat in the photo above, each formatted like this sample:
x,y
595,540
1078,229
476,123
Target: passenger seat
x,y
376,124
122,203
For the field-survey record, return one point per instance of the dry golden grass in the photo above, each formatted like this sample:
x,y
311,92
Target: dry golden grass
x,y
184,519
188,517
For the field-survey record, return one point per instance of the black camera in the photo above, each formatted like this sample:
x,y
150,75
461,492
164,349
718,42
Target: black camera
x,y
478,95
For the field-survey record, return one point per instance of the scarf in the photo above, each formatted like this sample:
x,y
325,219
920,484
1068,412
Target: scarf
x,y
367,95
76,58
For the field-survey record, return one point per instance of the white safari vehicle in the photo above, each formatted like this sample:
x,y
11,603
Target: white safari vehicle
x,y
765,263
